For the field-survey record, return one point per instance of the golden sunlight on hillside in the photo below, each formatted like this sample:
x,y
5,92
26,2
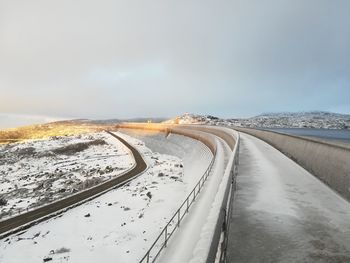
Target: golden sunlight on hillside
x,y
46,130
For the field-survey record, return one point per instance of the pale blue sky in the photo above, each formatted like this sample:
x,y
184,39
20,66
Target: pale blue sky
x,y
120,59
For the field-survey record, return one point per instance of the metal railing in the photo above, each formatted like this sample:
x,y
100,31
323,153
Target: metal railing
x,y
161,242
229,206
218,246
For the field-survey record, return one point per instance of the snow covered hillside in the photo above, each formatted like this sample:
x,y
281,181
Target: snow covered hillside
x,y
315,119
188,118
318,119
120,225
37,172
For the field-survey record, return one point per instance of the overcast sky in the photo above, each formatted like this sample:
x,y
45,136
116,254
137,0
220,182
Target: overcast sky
x,y
120,59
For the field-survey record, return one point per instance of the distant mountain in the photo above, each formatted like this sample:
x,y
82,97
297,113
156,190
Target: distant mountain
x,y
112,121
312,119
316,114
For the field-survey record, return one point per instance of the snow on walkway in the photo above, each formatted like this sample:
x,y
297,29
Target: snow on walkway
x,y
282,213
120,225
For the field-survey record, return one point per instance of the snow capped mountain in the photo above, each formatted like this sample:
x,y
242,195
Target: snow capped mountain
x,y
312,119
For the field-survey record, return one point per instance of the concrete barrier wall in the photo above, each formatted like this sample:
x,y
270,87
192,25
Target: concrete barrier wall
x,y
194,134
222,132
329,162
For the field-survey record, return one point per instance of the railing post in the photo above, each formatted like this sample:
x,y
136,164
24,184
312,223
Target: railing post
x,y
166,236
178,219
148,256
188,200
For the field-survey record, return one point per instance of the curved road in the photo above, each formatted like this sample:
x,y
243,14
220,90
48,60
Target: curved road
x,y
282,213
45,212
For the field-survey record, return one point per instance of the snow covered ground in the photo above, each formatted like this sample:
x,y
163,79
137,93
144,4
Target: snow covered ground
x,y
195,155
37,172
120,225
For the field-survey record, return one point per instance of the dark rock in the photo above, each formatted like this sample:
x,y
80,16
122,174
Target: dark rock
x,y
3,201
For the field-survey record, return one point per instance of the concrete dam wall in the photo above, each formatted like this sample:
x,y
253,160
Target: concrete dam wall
x,y
327,161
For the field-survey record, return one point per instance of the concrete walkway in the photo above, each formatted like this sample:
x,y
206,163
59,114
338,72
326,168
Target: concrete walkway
x,y
284,214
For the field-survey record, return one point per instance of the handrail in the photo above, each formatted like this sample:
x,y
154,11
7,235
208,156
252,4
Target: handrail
x,y
228,202
159,244
220,211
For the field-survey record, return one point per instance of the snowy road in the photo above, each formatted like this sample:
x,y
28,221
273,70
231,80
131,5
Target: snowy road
x,y
40,213
284,214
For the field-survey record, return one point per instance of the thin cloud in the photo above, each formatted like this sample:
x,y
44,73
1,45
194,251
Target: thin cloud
x,y
161,58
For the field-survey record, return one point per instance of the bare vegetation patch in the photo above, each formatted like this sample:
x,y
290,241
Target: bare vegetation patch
x,y
3,201
77,147
89,183
62,250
